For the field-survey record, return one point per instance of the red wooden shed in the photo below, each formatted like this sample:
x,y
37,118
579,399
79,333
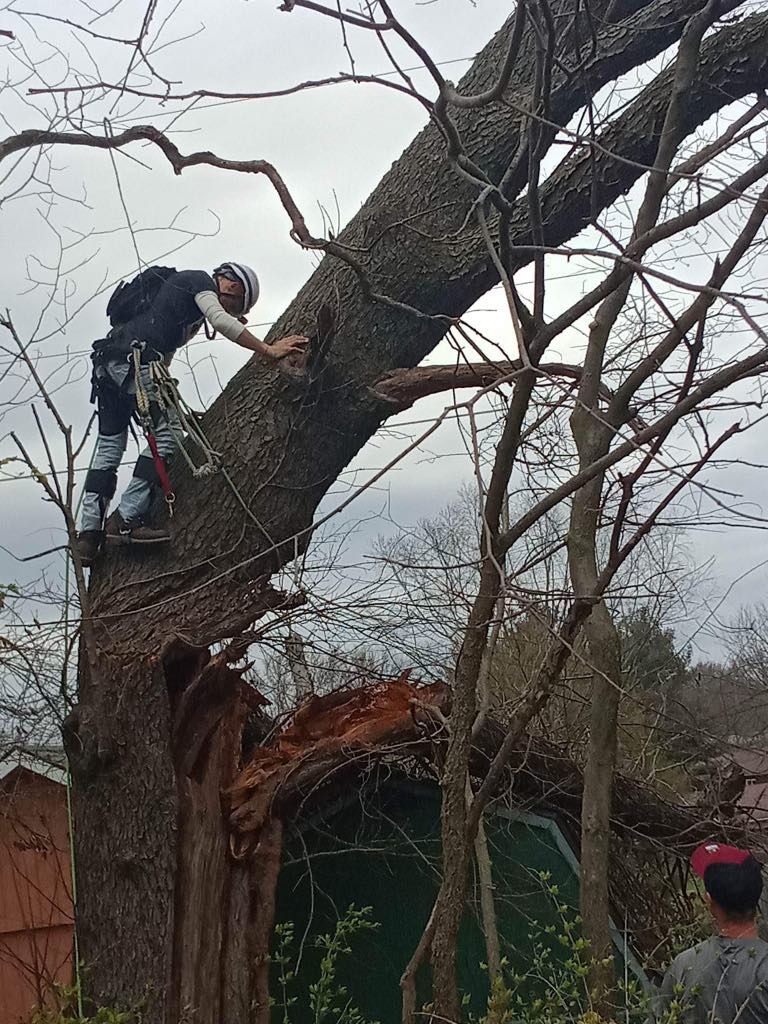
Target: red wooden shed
x,y
36,912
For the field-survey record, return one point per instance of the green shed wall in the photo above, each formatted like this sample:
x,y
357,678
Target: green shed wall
x,y
382,851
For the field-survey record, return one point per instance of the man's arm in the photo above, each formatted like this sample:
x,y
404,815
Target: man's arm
x,y
233,330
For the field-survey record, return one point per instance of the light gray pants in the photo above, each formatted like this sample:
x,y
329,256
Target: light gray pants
x,y
116,405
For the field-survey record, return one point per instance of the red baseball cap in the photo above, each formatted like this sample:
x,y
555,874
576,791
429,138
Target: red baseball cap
x,y
716,853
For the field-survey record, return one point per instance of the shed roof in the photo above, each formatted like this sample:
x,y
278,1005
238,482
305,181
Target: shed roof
x,y
48,760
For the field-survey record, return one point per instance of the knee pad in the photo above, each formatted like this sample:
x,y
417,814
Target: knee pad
x,y
146,470
102,482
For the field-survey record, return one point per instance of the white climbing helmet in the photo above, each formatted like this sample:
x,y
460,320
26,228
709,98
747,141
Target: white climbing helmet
x,y
246,276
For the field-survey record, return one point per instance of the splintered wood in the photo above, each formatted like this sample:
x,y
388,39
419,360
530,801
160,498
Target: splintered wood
x,y
325,735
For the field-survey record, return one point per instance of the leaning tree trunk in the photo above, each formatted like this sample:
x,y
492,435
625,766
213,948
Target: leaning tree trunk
x,y
167,917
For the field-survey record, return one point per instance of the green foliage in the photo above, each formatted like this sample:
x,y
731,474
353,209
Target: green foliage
x,y
283,957
554,988
64,1010
651,660
328,1000
684,934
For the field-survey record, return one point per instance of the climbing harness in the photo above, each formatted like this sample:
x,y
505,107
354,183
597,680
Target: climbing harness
x,y
168,398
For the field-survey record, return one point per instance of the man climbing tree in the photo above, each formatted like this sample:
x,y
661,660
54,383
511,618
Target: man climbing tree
x,y
152,317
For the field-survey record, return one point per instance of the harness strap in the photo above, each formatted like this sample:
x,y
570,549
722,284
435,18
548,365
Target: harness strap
x,y
162,472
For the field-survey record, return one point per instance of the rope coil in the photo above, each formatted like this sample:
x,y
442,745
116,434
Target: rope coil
x,y
143,407
168,398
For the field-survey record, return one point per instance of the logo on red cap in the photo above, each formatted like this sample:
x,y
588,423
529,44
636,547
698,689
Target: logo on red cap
x,y
716,853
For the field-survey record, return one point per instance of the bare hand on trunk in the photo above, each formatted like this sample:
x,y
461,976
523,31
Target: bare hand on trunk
x,y
291,345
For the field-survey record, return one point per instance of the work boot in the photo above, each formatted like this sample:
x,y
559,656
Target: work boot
x,y
87,546
120,532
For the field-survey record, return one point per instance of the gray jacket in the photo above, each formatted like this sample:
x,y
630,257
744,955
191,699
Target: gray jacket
x,y
720,981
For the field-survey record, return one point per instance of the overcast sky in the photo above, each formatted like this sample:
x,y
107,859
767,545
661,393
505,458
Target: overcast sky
x,y
331,146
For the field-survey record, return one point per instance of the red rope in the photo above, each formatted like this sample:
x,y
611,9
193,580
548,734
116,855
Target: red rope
x,y
162,472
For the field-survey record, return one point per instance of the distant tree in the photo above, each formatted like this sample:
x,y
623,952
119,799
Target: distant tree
x,y
651,659
747,645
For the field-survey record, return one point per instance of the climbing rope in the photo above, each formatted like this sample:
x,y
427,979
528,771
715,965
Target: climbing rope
x,y
77,966
170,399
144,409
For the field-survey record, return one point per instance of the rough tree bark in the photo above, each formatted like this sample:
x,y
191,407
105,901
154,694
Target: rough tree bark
x,y
166,916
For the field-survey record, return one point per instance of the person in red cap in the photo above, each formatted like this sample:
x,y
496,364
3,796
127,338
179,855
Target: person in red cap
x,y
723,980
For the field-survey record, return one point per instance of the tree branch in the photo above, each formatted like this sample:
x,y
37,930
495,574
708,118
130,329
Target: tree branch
x,y
178,161
404,387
